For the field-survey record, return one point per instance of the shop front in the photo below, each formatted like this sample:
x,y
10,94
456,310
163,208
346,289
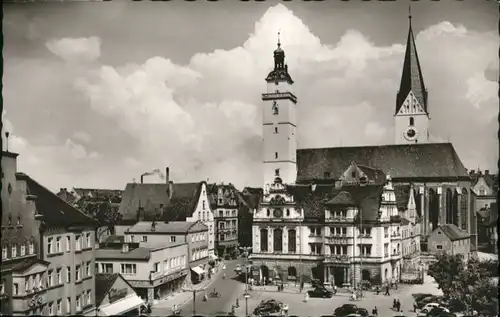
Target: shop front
x,y
116,297
197,274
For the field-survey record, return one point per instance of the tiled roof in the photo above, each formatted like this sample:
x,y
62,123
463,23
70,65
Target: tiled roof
x,y
117,254
404,221
373,174
453,232
103,283
253,196
228,193
55,210
342,198
162,227
366,198
411,78
97,192
154,200
425,160
402,193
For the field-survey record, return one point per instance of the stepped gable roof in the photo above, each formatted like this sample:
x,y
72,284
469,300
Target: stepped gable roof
x,y
402,161
54,210
103,283
155,201
402,193
228,190
453,232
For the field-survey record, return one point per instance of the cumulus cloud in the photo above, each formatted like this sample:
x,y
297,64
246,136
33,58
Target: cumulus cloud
x,y
203,119
76,49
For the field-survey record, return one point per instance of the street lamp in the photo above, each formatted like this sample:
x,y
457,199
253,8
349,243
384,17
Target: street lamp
x,y
246,294
194,291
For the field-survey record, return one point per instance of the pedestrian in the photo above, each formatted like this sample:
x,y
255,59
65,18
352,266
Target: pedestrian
x,y
377,290
375,311
387,291
334,289
306,298
398,305
395,303
414,306
301,285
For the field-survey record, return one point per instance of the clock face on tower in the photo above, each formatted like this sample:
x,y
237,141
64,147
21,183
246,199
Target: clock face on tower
x,y
411,133
277,213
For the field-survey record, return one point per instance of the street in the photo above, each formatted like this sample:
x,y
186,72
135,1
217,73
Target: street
x,y
229,289
319,306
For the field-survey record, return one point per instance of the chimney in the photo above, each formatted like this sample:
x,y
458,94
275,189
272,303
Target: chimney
x,y
62,189
167,175
169,182
487,172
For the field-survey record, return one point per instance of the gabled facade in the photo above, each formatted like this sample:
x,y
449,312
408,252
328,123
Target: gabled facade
x,y
167,202
449,239
116,297
224,203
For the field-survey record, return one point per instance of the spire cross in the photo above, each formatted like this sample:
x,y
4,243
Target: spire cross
x,y
409,13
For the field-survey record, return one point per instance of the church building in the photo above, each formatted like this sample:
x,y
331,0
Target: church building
x,y
336,213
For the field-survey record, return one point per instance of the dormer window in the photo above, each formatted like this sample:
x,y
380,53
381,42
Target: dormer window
x,y
353,174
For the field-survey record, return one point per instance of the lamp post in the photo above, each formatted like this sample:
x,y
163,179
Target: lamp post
x,y
194,291
246,294
300,251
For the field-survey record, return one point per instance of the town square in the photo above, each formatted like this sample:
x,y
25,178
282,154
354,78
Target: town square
x,y
250,158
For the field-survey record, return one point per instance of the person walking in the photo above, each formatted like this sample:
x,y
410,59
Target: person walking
x,y
387,293
398,305
334,289
306,297
375,311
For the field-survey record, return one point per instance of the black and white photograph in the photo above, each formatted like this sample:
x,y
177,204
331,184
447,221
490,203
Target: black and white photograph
x,y
250,158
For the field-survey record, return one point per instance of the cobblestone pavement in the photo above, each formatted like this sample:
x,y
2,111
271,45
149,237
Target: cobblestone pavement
x,y
318,306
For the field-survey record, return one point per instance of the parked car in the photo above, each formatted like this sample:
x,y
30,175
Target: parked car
x,y
320,292
363,312
439,311
428,307
268,307
345,310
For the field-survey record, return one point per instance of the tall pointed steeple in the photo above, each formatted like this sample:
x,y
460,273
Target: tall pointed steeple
x,y
411,79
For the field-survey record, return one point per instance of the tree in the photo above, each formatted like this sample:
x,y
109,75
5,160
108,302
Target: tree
x,y
467,285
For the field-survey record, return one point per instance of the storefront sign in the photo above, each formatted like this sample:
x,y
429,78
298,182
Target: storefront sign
x,y
115,294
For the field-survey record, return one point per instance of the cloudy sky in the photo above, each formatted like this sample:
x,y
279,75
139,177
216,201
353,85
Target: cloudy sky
x,y
96,94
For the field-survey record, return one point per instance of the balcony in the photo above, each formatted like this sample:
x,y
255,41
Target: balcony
x,y
279,95
314,238
337,258
340,219
338,239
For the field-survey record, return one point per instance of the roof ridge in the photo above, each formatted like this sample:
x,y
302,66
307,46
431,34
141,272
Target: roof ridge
x,y
377,146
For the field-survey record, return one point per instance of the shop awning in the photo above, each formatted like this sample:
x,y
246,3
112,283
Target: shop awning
x,y
122,306
198,270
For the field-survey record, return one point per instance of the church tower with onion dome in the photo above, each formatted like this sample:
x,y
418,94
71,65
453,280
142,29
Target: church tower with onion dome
x,y
279,123
412,116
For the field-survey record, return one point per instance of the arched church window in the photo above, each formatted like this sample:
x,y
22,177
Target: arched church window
x,y
278,240
263,240
276,155
268,213
412,121
276,130
288,212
